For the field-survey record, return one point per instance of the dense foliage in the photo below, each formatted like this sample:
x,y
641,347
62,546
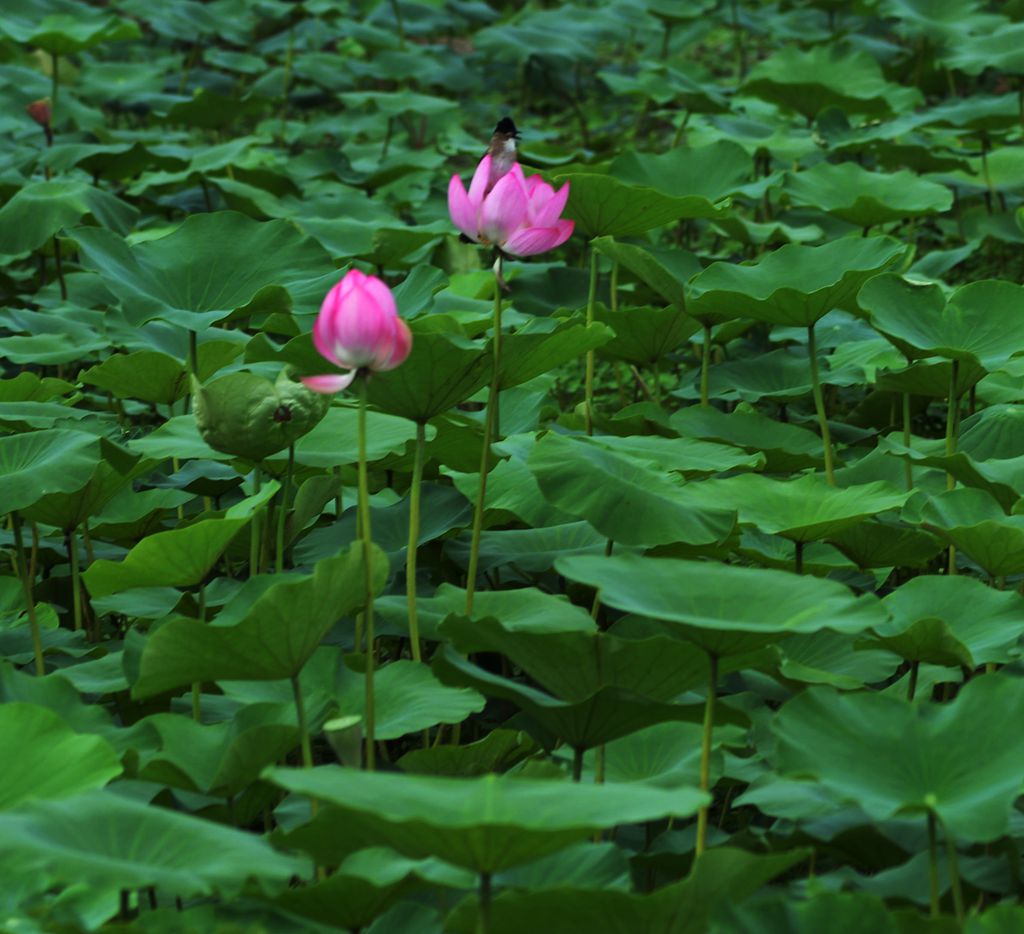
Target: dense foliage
x,y
734,644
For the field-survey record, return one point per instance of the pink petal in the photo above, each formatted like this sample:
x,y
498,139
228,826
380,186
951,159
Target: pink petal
x,y
504,209
481,179
403,345
528,241
462,210
545,213
363,329
323,327
329,384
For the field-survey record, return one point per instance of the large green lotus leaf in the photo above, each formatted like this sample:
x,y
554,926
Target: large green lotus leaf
x,y
786,447
973,522
853,194
205,269
606,715
146,375
623,497
686,456
648,267
218,758
532,550
711,172
178,557
601,205
721,876
178,437
63,27
795,284
1001,49
826,76
805,509
248,416
45,758
545,343
442,370
36,464
99,836
575,665
702,596
886,544
485,824
335,440
41,209
520,609
836,912
665,755
275,638
892,757
496,752
978,325
407,699
779,374
835,659
643,335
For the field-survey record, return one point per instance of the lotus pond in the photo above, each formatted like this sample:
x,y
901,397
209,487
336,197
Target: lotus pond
x,y
644,550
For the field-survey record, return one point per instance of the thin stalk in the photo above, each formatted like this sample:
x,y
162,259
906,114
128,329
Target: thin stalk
x,y
76,587
933,867
364,514
705,752
705,365
613,285
197,687
819,404
589,382
255,533
951,426
55,87
58,262
954,874
490,420
908,467
300,713
27,590
483,918
577,763
798,548
414,539
282,511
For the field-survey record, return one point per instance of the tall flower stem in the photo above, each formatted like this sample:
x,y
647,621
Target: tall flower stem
x,y
933,867
951,429
705,364
589,379
705,752
819,404
364,521
26,575
483,919
414,538
282,512
490,427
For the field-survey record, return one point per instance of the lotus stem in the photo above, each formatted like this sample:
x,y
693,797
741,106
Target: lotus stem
x,y
933,867
705,753
24,572
705,365
589,379
364,517
483,918
577,763
490,425
953,866
613,285
282,513
255,533
819,404
414,539
953,404
76,592
197,688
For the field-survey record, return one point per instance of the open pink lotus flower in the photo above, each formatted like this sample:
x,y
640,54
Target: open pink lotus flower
x,y
520,215
358,328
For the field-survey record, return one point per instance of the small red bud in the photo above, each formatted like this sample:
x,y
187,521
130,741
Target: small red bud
x,y
40,111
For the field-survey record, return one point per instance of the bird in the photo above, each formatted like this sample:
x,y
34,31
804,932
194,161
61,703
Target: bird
x,y
502,150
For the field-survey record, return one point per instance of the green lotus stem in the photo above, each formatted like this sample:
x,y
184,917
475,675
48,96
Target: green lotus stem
x,y
705,365
954,872
300,713
577,763
255,532
705,753
282,510
367,536
613,285
589,379
54,86
819,404
490,427
933,867
483,918
951,425
76,591
24,573
912,686
414,539
58,263
197,687
908,466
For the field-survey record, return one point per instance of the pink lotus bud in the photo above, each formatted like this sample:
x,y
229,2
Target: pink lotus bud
x,y
358,328
522,216
40,111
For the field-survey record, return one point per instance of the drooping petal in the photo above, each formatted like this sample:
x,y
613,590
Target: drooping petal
x,y
403,345
329,384
504,209
545,212
481,179
528,241
463,212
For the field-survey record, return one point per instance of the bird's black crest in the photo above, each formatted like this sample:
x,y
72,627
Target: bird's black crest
x,y
506,126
